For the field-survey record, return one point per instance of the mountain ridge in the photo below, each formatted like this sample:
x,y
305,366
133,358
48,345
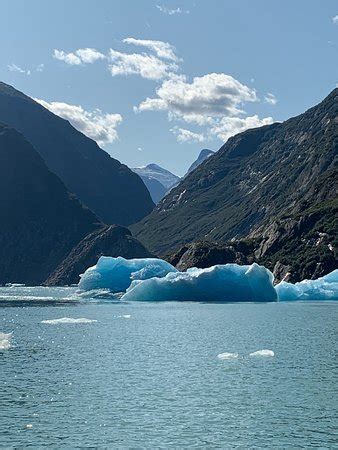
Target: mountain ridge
x,y
256,177
110,189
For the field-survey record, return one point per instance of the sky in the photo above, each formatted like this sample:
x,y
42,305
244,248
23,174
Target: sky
x,y
157,81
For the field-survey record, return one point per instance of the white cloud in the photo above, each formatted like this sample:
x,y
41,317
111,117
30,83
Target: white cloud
x,y
15,68
95,124
161,49
335,19
270,98
183,135
171,12
145,65
209,96
229,126
40,67
80,56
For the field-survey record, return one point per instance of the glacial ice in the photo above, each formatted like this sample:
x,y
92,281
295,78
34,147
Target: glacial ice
x,y
151,279
227,355
229,282
263,353
68,320
5,341
116,274
325,288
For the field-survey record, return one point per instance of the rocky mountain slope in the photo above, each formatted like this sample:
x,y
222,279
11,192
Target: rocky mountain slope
x,y
110,189
273,184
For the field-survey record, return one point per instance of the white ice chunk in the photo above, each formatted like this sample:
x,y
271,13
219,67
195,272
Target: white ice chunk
x,y
67,320
116,274
229,282
5,341
263,353
227,355
325,288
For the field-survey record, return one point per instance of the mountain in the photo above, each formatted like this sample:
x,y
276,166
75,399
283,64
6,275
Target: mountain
x,y
40,220
204,154
275,184
110,189
156,189
110,240
163,176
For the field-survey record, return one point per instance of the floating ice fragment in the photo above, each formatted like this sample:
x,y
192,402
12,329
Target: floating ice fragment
x,y
229,282
263,353
66,320
227,355
116,274
324,288
5,341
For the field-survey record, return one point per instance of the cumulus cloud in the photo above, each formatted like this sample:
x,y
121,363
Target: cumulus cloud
x,y
211,95
229,126
170,11
146,65
161,49
15,68
80,56
335,19
183,135
270,98
95,124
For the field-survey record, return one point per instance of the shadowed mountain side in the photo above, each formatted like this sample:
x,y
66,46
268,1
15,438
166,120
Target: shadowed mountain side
x,y
106,241
40,220
110,189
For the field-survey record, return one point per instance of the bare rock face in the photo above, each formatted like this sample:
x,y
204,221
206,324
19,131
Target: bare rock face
x,y
107,241
205,254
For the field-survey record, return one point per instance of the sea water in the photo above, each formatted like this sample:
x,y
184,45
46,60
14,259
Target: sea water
x,y
81,372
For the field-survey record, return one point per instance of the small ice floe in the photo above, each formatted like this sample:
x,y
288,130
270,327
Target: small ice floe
x,y
68,320
263,353
227,355
5,341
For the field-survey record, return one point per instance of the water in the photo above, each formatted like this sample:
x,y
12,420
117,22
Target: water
x,y
147,375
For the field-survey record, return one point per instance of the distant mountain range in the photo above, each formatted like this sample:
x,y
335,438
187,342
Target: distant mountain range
x,y
274,186
204,154
159,181
110,189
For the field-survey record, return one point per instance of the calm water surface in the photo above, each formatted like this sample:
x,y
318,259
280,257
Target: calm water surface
x,y
153,380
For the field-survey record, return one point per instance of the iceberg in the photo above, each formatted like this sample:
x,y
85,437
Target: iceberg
x,y
116,274
152,279
229,282
325,288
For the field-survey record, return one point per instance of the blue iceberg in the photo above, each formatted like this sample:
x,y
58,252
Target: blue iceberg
x,y
116,274
229,282
325,288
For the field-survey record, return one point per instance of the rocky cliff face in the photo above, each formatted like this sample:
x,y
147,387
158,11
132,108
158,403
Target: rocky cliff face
x,y
261,182
110,189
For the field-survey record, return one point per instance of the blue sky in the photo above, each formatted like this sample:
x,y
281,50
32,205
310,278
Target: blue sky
x,y
164,79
